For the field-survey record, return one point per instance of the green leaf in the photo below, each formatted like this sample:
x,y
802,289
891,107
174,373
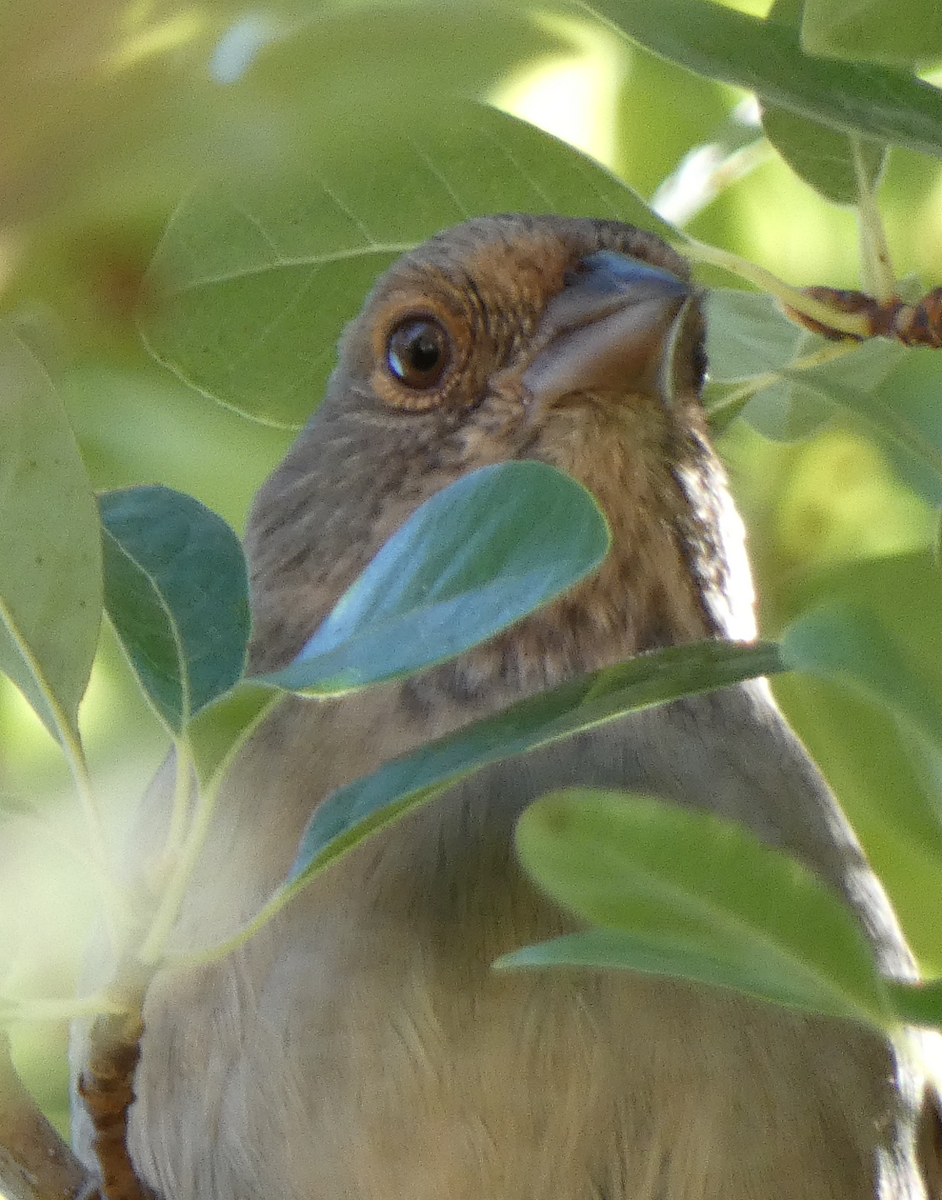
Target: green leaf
x,y
903,409
825,159
177,595
129,104
917,1003
895,392
904,33
50,544
748,335
822,157
375,801
475,557
259,277
844,641
787,412
749,341
699,897
216,733
804,398
765,57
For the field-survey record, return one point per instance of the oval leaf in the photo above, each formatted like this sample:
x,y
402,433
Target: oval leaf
x,y
260,277
765,57
822,157
477,556
904,33
748,335
365,806
217,733
50,544
702,898
845,641
368,804
918,1003
177,595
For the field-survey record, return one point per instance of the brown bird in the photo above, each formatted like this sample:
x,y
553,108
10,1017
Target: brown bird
x,y
360,1047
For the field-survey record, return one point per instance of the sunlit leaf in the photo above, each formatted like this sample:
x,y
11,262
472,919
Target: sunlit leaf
x,y
470,561
890,792
903,33
764,57
845,641
50,543
119,107
293,256
695,896
917,1003
177,595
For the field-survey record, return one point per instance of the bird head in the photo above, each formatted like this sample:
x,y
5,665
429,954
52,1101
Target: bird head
x,y
576,342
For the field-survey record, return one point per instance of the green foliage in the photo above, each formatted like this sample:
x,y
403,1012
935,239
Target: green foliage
x,y
50,597
469,562
766,57
177,595
690,895
295,261
232,186
371,803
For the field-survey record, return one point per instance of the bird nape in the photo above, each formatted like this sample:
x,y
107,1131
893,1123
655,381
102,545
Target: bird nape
x,y
359,1047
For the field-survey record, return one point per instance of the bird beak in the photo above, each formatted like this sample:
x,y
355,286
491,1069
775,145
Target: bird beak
x,y
614,328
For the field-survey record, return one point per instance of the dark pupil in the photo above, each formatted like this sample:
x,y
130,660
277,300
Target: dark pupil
x,y
423,352
415,352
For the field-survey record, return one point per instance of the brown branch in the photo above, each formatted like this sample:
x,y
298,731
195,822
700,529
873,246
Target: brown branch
x,y
35,1163
107,1087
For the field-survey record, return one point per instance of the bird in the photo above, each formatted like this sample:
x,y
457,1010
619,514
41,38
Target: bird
x,y
360,1046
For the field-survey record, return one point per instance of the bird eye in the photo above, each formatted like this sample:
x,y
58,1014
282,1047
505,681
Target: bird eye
x,y
418,352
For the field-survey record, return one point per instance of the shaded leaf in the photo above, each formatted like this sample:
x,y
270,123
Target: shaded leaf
x,y
475,557
905,411
822,157
360,808
787,412
749,341
177,595
50,544
294,255
701,898
766,58
748,334
895,392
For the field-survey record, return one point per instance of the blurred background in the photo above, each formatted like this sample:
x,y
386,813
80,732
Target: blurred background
x,y
110,114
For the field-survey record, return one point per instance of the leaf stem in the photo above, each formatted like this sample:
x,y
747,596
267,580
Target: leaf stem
x,y
876,264
722,412
701,252
39,1009
184,860
66,732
